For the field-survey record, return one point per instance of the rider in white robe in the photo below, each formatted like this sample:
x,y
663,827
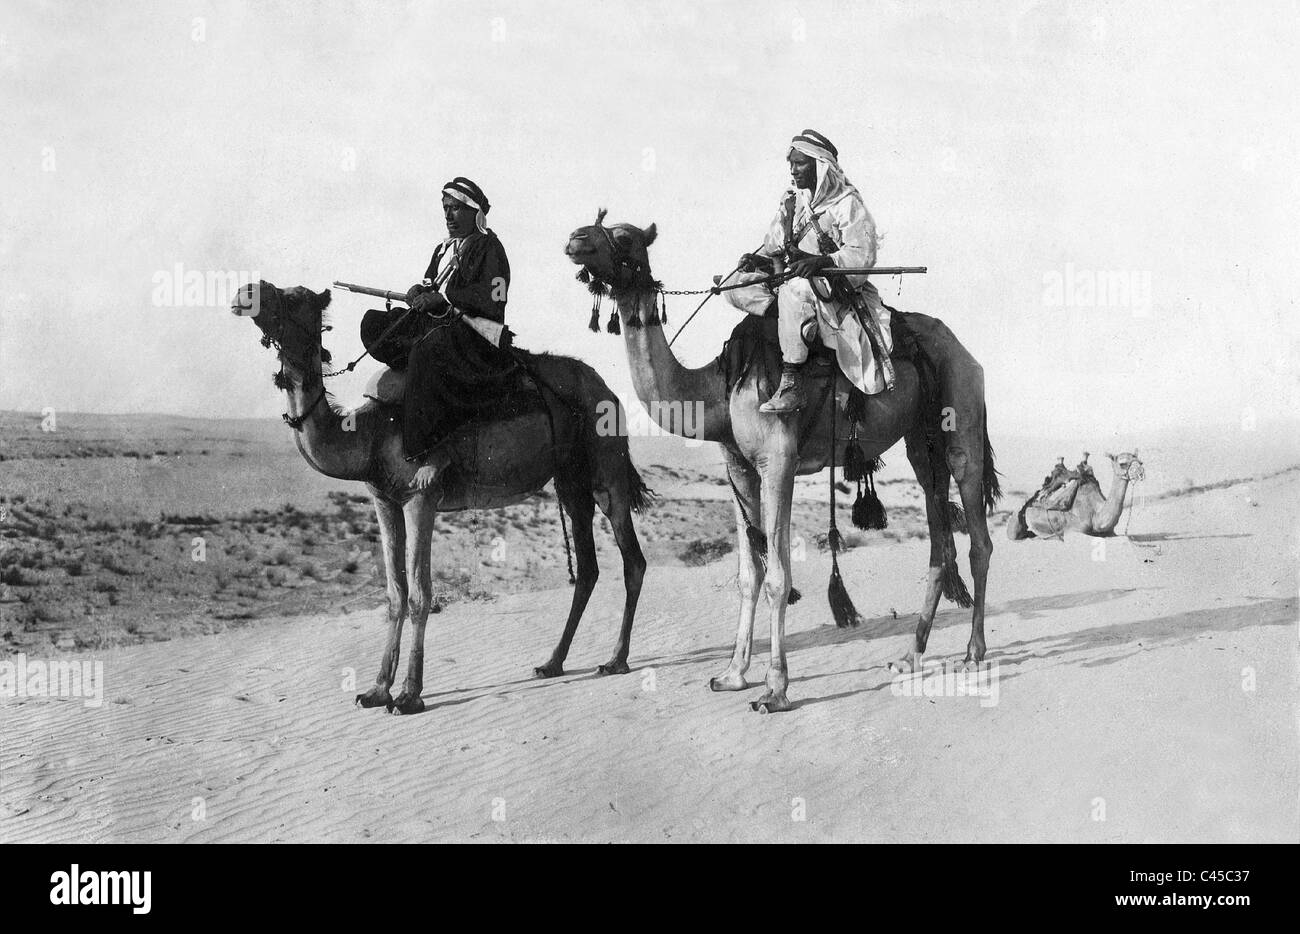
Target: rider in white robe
x,y
849,237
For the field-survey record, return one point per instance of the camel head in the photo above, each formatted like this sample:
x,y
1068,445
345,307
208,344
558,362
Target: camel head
x,y
1127,466
289,319
612,258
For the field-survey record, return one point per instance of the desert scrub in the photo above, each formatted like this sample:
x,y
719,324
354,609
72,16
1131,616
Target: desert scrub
x,y
14,577
705,551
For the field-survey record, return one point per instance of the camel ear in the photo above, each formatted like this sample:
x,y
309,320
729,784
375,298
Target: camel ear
x,y
323,300
650,233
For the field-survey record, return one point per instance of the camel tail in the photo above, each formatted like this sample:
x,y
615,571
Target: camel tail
x,y
992,486
639,494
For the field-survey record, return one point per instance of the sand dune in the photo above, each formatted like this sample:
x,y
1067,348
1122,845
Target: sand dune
x,y
1119,696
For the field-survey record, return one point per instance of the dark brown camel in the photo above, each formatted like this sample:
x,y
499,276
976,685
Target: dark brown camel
x,y
496,464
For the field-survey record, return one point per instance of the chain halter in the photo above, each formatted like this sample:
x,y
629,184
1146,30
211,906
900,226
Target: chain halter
x,y
629,273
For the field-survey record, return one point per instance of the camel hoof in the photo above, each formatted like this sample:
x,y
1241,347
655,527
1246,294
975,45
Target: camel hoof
x,y
728,682
613,668
375,697
771,703
551,669
972,661
407,704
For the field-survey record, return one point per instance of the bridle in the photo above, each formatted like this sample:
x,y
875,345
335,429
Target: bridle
x,y
281,379
1129,473
629,273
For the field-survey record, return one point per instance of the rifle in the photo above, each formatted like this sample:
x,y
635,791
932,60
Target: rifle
x,y
869,270
377,293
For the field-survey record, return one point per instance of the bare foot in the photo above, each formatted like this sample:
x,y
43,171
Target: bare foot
x,y
551,669
424,477
615,666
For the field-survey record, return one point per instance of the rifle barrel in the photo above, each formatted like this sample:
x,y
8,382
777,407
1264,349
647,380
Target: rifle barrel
x,y
366,290
870,271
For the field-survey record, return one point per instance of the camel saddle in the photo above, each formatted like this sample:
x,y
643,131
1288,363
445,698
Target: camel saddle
x,y
754,342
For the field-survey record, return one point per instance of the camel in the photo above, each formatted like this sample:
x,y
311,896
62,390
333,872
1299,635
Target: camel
x,y
493,465
1092,512
764,453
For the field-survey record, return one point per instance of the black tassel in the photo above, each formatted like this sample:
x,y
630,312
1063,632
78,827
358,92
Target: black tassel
x,y
663,309
634,319
860,511
594,324
584,275
835,540
613,326
856,408
874,510
855,462
842,608
325,356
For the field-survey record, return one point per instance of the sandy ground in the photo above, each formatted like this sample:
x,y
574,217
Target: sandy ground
x,y
1144,693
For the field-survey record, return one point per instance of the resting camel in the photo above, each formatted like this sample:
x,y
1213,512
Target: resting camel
x,y
1091,512
945,437
495,464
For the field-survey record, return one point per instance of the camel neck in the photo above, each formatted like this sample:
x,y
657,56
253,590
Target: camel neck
x,y
683,401
1107,517
335,445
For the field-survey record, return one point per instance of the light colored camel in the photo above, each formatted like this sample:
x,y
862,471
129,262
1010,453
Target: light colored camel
x,y
495,464
1091,512
763,452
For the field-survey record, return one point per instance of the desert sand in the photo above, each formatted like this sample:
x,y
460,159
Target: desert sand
x,y
1145,692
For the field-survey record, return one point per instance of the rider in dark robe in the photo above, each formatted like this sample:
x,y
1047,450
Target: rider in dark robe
x,y
457,371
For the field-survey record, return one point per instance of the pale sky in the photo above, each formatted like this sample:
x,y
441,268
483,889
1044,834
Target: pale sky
x,y
1007,147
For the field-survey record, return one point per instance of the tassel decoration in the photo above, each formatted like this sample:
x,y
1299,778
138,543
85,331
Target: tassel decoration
x,y
613,326
842,609
855,462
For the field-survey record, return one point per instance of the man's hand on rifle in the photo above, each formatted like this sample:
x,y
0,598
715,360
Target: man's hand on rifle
x,y
749,262
418,289
428,302
808,264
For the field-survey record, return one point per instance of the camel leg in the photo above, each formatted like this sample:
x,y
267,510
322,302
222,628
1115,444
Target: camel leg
x,y
419,514
967,472
778,493
577,502
392,532
619,512
749,573
919,456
